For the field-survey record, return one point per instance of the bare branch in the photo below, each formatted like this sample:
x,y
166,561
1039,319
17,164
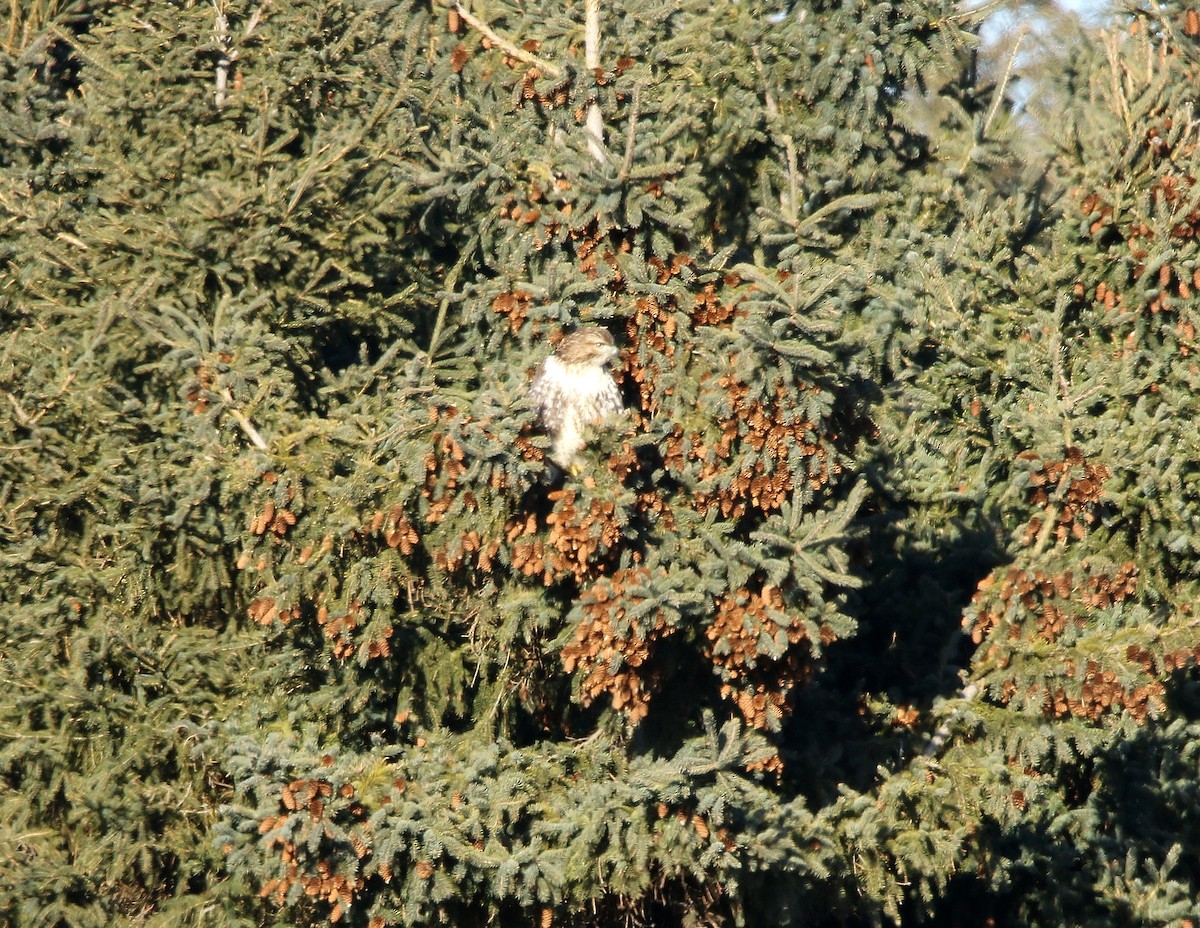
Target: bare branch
x,y
998,95
244,423
254,20
225,62
508,47
591,46
23,417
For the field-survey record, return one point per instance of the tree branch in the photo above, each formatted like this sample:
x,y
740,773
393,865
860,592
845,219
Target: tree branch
x,y
591,45
244,423
508,47
252,24
225,62
631,132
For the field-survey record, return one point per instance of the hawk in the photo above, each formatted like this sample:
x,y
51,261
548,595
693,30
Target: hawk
x,y
573,389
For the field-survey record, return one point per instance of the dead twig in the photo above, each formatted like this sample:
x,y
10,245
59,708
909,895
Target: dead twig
x,y
509,48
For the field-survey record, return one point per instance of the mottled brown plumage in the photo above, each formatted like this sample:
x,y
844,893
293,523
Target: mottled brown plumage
x,y
573,390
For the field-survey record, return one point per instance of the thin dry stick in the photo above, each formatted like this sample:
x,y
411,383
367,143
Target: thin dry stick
x,y
244,423
255,19
997,97
23,417
591,45
509,48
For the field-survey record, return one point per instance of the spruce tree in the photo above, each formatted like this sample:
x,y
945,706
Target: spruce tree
x,y
1045,425
873,606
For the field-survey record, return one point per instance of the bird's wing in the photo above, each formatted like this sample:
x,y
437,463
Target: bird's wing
x,y
610,398
542,392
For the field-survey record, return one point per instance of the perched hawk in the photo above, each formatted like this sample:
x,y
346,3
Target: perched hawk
x,y
573,389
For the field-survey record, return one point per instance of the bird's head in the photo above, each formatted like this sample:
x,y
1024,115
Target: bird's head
x,y
591,345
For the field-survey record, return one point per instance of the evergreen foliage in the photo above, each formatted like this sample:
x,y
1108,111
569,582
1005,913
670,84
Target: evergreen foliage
x,y
875,607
